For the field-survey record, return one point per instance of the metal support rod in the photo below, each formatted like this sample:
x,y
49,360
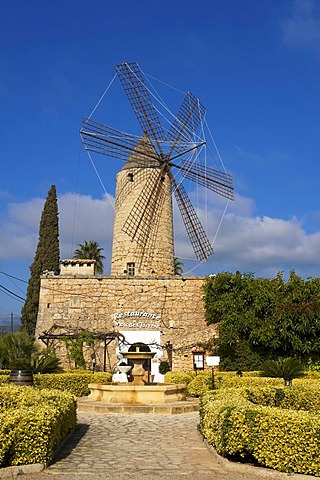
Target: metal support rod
x,y
212,378
105,355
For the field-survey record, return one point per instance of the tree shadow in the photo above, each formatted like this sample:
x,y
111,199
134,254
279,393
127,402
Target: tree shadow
x,y
69,443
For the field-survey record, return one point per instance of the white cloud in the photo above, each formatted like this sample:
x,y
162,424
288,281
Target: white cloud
x,y
262,245
84,218
80,218
302,29
244,242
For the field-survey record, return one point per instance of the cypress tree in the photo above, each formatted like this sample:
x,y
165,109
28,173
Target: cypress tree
x,y
46,258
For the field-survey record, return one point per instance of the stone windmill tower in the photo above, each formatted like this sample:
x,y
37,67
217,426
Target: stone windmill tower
x,y
152,253
143,228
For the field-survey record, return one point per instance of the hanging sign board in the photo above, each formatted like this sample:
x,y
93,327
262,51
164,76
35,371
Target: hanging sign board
x,y
212,361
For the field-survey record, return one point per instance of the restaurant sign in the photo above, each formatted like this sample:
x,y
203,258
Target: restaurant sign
x,y
128,319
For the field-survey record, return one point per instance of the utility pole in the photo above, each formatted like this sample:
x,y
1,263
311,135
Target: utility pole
x,y
11,322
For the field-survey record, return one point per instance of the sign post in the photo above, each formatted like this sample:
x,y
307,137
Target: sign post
x,y
212,362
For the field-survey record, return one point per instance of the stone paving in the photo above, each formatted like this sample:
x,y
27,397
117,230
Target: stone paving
x,y
144,447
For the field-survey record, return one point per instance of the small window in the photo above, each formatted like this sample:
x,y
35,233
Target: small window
x,y
130,269
130,177
198,360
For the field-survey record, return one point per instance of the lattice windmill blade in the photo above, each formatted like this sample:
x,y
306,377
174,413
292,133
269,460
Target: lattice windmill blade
x,y
156,153
133,84
99,138
215,180
141,218
198,237
185,123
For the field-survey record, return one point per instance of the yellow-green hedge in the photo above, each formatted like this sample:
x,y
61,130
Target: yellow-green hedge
x,y
179,377
75,383
33,423
200,382
284,439
303,396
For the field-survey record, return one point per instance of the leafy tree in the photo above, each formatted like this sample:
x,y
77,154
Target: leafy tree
x,y
46,258
178,266
260,319
90,250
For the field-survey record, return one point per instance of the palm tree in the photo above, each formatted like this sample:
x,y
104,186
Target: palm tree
x,y
90,251
19,352
16,350
178,266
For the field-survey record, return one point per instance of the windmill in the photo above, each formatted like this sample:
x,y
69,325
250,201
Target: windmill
x,y
143,230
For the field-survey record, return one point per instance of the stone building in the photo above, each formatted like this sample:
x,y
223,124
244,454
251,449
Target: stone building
x,y
167,313
142,299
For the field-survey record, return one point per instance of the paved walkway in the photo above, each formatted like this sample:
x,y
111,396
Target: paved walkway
x,y
140,446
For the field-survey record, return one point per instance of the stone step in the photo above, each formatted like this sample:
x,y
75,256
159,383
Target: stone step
x,y
188,406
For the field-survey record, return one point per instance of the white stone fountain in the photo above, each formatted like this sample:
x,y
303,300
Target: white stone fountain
x,y
139,391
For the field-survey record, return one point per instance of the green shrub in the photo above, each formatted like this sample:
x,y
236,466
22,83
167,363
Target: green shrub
x,y
281,438
33,423
223,422
315,374
200,384
288,440
179,377
232,381
75,383
302,397
282,368
18,351
164,367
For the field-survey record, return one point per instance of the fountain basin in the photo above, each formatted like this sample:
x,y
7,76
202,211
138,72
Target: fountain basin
x,y
137,394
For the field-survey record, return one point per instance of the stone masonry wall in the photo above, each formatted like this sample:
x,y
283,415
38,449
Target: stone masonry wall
x,y
172,305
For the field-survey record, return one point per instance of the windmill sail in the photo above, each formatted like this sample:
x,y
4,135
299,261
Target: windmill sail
x,y
148,178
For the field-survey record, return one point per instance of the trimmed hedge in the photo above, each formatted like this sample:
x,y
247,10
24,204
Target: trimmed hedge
x,y
201,382
281,438
75,383
179,377
302,397
33,423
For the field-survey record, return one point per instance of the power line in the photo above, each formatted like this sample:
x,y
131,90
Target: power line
x,y
11,276
11,294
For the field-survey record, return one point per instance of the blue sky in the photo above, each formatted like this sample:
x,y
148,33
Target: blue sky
x,y
254,64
